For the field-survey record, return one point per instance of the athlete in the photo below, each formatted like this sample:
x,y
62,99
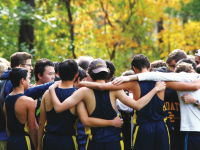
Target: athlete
x,y
102,104
20,113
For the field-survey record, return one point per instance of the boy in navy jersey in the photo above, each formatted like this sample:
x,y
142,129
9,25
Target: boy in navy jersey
x,y
20,113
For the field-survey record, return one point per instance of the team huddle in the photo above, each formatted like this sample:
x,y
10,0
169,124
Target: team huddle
x,y
80,105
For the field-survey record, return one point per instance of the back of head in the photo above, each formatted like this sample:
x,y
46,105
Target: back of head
x,y
16,74
158,63
98,70
40,67
81,74
198,68
19,58
111,68
140,61
186,60
176,55
56,66
128,73
184,67
67,70
3,60
84,61
162,69
191,57
3,67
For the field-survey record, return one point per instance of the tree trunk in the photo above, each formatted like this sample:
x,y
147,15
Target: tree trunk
x,y
26,31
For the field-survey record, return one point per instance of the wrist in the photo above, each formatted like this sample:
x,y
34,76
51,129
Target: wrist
x,y
196,102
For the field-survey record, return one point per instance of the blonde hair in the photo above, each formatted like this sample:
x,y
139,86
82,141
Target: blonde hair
x,y
3,67
184,67
3,60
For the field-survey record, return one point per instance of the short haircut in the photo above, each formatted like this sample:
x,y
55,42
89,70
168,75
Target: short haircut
x,y
81,74
16,74
176,55
162,69
111,68
184,67
19,58
67,69
56,66
84,62
186,60
3,67
40,67
140,61
128,73
158,63
198,68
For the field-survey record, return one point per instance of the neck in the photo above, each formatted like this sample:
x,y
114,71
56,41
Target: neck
x,y
100,81
38,83
66,84
17,90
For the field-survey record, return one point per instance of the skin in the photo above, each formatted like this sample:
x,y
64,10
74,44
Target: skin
x,y
197,60
48,75
24,110
172,65
29,68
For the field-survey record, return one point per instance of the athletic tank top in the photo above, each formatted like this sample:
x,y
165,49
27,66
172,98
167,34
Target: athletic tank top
x,y
104,110
153,111
13,123
64,122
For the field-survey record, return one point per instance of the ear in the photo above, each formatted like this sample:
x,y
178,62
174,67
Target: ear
x,y
149,68
39,76
78,81
58,74
76,76
22,81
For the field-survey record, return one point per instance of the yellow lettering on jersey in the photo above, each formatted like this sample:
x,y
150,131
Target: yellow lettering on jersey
x,y
172,106
177,106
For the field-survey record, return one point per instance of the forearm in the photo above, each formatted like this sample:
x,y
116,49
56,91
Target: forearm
x,y
33,135
91,85
96,122
40,135
37,91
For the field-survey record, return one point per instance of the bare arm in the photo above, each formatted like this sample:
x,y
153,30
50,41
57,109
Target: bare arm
x,y
106,86
95,122
32,122
182,86
41,123
140,103
67,103
4,110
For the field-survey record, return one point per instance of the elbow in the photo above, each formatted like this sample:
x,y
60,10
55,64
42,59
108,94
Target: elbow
x,y
100,87
85,122
138,107
57,110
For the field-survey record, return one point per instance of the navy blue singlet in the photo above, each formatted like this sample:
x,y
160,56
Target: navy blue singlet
x,y
19,138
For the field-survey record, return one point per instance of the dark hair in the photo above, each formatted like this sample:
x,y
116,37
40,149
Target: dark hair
x,y
162,69
140,61
98,76
40,67
67,69
84,62
16,74
187,60
19,58
56,66
176,55
81,74
158,63
198,68
111,68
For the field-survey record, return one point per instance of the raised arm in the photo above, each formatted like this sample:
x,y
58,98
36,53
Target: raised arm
x,y
140,103
41,122
71,101
106,86
95,122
